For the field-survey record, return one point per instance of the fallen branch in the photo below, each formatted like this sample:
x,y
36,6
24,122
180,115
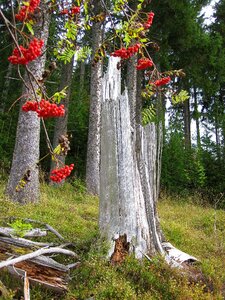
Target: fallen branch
x,y
36,232
35,254
47,226
21,242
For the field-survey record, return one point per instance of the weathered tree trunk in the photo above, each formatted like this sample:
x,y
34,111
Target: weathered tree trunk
x,y
93,147
127,207
129,184
61,123
26,151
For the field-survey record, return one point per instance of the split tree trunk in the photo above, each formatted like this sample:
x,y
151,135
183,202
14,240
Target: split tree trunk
x,y
93,147
26,151
128,185
129,182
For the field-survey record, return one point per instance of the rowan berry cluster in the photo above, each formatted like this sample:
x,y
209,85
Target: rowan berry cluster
x,y
144,63
26,10
30,106
149,21
58,175
73,11
162,81
126,53
23,55
44,109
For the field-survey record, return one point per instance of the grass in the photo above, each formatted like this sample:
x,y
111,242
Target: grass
x,y
197,230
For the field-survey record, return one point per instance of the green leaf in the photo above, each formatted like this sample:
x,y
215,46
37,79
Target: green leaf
x,y
30,28
26,3
148,115
180,98
83,53
58,96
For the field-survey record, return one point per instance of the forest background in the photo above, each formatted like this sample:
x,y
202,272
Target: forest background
x,y
192,160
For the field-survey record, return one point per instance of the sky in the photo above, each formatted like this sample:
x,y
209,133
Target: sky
x,y
208,12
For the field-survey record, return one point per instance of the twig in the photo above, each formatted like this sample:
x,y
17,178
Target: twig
x,y
50,228
26,287
47,226
35,254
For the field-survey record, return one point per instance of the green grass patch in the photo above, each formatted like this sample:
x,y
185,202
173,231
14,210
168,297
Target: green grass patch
x,y
197,230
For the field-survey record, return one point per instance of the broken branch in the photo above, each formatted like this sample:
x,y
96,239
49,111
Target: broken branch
x,y
35,254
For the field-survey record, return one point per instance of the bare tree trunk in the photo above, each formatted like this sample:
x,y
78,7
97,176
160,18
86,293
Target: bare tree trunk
x,y
26,151
198,136
187,123
93,147
61,123
82,76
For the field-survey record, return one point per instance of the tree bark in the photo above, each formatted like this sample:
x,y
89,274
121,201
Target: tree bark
x,y
26,151
93,147
61,123
128,184
82,77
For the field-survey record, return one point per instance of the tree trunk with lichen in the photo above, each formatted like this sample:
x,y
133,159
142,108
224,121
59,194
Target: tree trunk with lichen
x,y
93,147
128,180
26,152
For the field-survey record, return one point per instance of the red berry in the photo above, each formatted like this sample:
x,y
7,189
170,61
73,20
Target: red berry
x,y
24,56
162,81
25,11
144,63
58,175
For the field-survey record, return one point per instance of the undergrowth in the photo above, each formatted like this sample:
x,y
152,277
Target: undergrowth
x,y
193,228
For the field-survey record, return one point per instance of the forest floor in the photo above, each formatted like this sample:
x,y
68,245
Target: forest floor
x,y
189,225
